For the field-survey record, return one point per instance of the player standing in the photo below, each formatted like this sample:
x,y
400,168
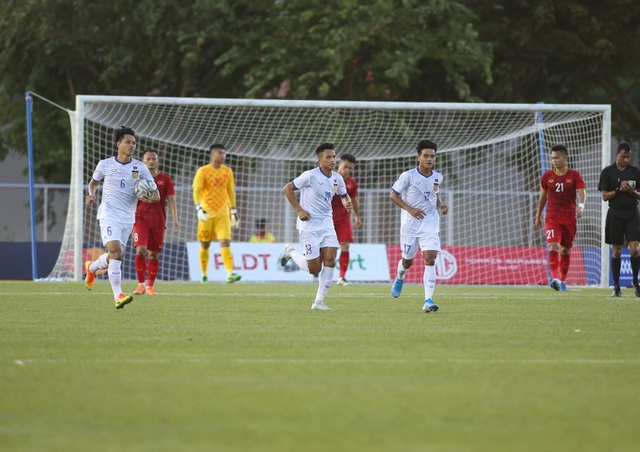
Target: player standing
x,y
342,218
558,188
416,192
148,230
315,220
619,186
215,198
117,210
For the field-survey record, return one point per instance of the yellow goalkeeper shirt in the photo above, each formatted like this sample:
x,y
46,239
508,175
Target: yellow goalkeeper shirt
x,y
214,189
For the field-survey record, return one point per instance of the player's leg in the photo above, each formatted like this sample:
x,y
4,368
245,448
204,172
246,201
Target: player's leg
x,y
553,233
344,231
120,234
328,248
156,239
223,232
614,236
566,243
409,247
205,235
430,246
102,262
140,241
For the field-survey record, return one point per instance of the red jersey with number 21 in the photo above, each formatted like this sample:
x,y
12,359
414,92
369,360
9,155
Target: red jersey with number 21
x,y
561,192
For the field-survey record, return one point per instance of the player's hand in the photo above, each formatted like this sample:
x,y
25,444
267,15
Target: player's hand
x,y
444,209
357,223
235,220
579,212
348,205
90,199
416,213
538,222
303,215
202,215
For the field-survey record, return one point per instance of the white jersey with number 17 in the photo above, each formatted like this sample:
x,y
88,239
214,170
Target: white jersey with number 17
x,y
118,198
419,191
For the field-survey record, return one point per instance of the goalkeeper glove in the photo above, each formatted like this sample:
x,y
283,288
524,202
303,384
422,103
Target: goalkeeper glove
x,y
202,215
235,220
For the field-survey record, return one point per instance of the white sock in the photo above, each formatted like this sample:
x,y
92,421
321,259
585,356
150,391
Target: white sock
x,y
300,260
324,282
429,281
99,263
115,277
401,270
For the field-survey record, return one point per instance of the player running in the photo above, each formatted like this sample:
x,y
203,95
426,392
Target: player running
x,y
558,188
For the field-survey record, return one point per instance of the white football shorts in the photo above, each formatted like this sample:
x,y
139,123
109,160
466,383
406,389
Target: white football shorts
x,y
110,231
312,241
409,245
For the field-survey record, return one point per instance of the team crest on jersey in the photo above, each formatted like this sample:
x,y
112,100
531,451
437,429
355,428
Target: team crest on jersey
x,y
551,181
135,174
335,186
568,181
436,186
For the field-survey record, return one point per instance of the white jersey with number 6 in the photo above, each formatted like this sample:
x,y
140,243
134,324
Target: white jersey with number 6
x,y
419,191
316,193
118,198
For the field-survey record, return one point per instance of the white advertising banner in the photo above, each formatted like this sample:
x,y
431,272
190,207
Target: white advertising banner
x,y
259,262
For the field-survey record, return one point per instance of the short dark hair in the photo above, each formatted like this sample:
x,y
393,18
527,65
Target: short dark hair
x,y
151,150
118,134
217,146
561,148
261,223
426,144
348,157
624,147
324,146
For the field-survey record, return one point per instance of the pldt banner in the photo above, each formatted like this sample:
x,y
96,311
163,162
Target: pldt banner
x,y
259,262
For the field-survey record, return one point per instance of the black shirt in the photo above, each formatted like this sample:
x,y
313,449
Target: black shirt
x,y
610,179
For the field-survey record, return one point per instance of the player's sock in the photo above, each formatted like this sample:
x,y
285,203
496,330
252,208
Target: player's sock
x,y
554,263
401,270
204,260
153,271
227,259
616,263
115,277
300,260
344,263
429,281
141,268
325,281
99,263
635,266
565,260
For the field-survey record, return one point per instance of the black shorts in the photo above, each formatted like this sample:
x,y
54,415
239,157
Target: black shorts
x,y
622,224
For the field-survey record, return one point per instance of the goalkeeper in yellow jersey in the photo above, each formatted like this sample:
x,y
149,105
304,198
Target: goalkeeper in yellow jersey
x,y
215,198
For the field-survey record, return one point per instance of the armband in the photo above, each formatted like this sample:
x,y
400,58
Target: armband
x,y
581,206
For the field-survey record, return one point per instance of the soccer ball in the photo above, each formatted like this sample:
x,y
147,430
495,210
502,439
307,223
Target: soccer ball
x,y
145,188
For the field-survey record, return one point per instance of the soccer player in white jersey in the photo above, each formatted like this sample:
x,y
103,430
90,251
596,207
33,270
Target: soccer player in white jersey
x,y
315,220
416,192
117,211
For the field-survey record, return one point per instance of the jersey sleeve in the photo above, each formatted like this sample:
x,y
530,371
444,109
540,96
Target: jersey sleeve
x,y
197,186
231,189
342,187
171,190
401,184
580,181
302,180
604,184
98,174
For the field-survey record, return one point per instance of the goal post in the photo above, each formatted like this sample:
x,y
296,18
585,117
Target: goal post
x,y
489,154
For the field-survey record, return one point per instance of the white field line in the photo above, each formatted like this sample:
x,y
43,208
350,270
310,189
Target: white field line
x,y
304,361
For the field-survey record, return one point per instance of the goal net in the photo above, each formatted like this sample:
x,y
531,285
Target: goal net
x,y
491,156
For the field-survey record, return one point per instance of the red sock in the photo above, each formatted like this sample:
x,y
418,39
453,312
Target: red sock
x,y
565,260
344,263
141,268
553,264
153,271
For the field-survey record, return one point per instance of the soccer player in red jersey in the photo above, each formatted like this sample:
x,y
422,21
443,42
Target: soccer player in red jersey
x,y
342,218
148,230
558,190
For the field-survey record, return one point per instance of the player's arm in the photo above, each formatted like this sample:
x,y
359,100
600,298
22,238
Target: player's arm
x,y
91,191
542,200
171,199
197,188
347,202
356,210
289,193
444,209
231,194
582,198
413,211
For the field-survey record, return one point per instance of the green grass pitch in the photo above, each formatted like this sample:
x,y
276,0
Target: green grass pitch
x,y
249,367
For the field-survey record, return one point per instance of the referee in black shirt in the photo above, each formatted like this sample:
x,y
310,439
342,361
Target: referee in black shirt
x,y
619,185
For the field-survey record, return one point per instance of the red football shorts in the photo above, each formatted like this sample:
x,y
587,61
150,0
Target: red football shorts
x,y
562,230
344,231
151,237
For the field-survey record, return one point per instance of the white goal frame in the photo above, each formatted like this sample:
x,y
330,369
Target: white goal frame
x,y
78,185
